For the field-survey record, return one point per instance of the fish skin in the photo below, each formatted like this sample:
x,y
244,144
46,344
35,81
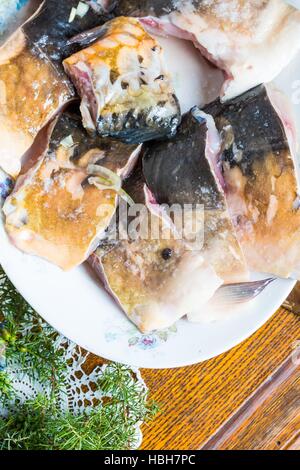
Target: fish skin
x,y
144,7
133,102
261,182
54,211
140,8
154,292
175,171
109,153
51,30
179,172
257,129
33,83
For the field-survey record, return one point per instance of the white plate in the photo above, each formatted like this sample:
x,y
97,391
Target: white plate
x,y
75,304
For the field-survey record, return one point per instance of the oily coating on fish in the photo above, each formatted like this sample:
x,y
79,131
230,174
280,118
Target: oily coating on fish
x,y
156,281
184,171
56,211
261,179
33,85
126,91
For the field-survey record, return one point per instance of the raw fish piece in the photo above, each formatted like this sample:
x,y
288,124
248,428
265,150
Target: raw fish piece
x,y
144,7
55,211
125,88
73,146
186,171
155,281
250,41
33,85
260,173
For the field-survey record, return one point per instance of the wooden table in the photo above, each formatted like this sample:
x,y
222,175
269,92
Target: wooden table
x,y
248,398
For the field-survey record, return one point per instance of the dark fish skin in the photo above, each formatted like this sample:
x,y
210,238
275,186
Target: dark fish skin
x,y
175,171
261,180
50,30
179,172
142,129
6,187
144,8
254,131
134,185
149,7
109,153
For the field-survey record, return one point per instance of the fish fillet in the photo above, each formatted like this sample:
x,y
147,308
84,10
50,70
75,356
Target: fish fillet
x,y
186,171
251,41
261,176
125,88
33,85
55,211
155,281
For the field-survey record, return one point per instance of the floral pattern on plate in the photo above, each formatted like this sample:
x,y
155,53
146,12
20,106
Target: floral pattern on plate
x,y
152,340
137,339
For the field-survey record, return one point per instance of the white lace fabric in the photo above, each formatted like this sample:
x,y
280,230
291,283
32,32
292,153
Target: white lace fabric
x,y
78,392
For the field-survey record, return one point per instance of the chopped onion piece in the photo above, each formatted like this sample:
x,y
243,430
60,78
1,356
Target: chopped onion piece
x,y
105,184
106,179
106,174
68,141
72,15
82,9
102,183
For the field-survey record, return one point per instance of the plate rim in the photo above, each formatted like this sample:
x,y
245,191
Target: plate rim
x,y
177,364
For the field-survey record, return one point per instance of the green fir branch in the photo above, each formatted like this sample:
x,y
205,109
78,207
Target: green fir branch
x,y
26,340
29,340
112,425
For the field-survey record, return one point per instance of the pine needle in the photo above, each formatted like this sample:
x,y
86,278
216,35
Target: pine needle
x,y
39,424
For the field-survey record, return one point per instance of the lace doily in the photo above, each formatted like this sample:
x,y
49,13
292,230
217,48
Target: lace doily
x,y
79,391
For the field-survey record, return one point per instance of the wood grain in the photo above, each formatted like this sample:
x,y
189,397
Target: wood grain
x,y
269,419
196,401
